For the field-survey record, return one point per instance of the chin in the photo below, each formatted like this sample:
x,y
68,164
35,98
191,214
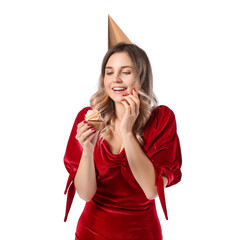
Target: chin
x,y
116,99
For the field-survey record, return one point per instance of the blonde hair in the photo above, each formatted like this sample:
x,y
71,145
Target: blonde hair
x,y
144,86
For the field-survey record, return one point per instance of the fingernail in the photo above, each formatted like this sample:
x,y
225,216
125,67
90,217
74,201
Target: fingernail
x,y
89,124
134,89
125,95
93,129
84,121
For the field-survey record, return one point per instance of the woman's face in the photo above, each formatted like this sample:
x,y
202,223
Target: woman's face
x,y
120,76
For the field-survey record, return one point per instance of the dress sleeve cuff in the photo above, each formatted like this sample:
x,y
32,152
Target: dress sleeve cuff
x,y
160,189
70,190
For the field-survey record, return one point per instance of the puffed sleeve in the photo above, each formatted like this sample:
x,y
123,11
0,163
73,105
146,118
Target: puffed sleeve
x,y
162,146
72,159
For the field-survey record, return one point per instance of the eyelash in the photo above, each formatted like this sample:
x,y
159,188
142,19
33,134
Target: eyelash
x,y
126,73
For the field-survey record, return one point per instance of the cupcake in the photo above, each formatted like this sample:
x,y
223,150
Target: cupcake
x,y
95,119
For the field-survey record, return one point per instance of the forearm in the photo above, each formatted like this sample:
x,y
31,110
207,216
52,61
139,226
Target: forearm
x,y
85,179
141,167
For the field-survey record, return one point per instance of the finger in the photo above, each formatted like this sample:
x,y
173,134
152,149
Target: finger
x,y
91,137
134,96
126,105
135,93
82,127
86,135
94,139
81,123
86,127
131,103
136,101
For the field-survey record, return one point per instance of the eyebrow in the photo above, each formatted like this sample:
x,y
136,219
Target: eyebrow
x,y
109,67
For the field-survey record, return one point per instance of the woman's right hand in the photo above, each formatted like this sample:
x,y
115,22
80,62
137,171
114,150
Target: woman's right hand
x,y
86,135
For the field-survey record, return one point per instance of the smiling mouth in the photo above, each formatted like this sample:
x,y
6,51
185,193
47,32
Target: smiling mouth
x,y
118,89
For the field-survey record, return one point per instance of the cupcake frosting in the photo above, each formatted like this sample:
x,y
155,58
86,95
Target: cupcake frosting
x,y
93,115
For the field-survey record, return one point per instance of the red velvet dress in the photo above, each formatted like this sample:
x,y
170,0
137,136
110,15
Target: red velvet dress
x,y
120,210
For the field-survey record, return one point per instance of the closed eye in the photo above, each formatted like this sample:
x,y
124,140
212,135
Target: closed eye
x,y
126,73
109,73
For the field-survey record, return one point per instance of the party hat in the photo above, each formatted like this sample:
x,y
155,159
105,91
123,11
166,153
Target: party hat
x,y
115,34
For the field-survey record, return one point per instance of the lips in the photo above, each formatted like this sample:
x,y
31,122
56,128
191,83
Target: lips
x,y
119,90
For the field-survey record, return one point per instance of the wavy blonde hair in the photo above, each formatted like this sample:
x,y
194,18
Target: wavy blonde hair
x,y
144,86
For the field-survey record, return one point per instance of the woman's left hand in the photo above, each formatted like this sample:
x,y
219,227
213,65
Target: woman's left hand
x,y
131,103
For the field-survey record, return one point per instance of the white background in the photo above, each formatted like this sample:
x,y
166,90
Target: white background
x,y
50,60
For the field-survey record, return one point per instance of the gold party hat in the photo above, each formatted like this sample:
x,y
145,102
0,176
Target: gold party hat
x,y
115,34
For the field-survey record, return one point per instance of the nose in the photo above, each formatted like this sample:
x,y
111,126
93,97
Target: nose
x,y
117,78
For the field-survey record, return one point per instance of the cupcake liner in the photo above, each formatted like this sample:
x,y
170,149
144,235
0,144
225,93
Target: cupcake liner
x,y
98,125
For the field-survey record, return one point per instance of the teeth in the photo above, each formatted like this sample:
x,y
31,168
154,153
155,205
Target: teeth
x,y
119,89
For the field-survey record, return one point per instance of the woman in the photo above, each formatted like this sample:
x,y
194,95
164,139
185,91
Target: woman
x,y
122,169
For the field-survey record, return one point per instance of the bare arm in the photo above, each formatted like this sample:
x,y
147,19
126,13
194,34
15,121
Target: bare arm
x,y
141,167
85,179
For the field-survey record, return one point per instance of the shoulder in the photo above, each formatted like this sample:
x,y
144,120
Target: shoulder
x,y
160,117
160,113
